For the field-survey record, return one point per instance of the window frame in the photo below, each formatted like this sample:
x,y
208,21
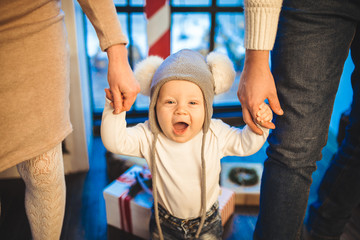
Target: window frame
x,y
213,9
231,114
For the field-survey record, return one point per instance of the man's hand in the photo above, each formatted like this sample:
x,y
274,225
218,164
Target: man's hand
x,y
123,85
256,85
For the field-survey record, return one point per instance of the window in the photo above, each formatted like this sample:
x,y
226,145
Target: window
x,y
201,25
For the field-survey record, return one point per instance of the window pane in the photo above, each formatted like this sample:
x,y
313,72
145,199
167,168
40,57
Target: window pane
x,y
191,2
120,2
229,39
137,3
230,3
142,102
139,51
190,30
138,37
99,63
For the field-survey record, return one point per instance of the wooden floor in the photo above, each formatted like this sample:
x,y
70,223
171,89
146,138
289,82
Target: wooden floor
x,y
85,217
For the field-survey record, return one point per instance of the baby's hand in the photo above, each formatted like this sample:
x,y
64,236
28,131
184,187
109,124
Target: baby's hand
x,y
109,96
264,115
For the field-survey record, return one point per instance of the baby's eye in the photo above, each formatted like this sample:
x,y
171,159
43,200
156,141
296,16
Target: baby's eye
x,y
170,102
192,103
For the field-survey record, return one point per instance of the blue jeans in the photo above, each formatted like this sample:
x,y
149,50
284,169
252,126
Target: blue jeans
x,y
174,228
312,44
339,192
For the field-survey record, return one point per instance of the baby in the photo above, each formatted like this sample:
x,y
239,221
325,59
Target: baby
x,y
181,143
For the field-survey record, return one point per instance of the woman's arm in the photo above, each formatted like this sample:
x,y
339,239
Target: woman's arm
x,y
123,85
103,17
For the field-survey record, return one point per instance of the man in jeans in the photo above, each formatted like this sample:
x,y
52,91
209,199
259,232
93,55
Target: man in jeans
x,y
311,46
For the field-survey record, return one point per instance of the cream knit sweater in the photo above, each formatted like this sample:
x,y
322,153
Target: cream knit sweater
x,y
261,23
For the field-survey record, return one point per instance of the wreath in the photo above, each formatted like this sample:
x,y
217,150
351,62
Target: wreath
x,y
244,176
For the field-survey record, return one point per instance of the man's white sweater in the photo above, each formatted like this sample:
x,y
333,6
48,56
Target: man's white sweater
x,y
261,18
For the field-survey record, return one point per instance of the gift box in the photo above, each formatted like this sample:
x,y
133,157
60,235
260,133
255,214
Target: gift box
x,y
244,179
226,204
127,212
131,211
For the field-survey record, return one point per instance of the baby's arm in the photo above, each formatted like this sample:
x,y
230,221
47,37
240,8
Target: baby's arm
x,y
117,138
264,115
238,141
244,142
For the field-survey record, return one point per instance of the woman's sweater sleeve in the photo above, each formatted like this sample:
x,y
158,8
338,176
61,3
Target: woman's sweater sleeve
x,y
261,22
119,139
102,14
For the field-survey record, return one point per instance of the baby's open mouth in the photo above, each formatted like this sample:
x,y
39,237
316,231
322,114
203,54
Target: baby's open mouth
x,y
180,127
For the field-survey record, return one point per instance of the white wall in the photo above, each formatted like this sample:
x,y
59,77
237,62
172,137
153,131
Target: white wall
x,y
79,142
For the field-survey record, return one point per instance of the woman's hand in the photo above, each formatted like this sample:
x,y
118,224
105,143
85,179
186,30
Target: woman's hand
x,y
123,85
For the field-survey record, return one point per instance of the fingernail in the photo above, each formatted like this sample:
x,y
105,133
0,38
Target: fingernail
x,y
117,110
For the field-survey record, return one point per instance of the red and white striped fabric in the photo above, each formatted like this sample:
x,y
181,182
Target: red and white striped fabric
x,y
158,27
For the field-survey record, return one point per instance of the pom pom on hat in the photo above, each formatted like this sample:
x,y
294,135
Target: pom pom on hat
x,y
220,65
222,70
144,72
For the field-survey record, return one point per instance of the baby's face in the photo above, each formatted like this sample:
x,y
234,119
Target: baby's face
x,y
180,110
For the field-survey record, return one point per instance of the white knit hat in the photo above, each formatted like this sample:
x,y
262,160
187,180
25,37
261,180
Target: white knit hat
x,y
213,75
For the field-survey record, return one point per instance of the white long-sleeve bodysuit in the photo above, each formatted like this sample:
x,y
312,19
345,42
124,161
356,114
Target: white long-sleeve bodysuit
x,y
179,164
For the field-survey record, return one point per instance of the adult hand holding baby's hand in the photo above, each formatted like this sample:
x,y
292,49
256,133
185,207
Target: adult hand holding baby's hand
x,y
264,116
109,96
123,85
256,85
